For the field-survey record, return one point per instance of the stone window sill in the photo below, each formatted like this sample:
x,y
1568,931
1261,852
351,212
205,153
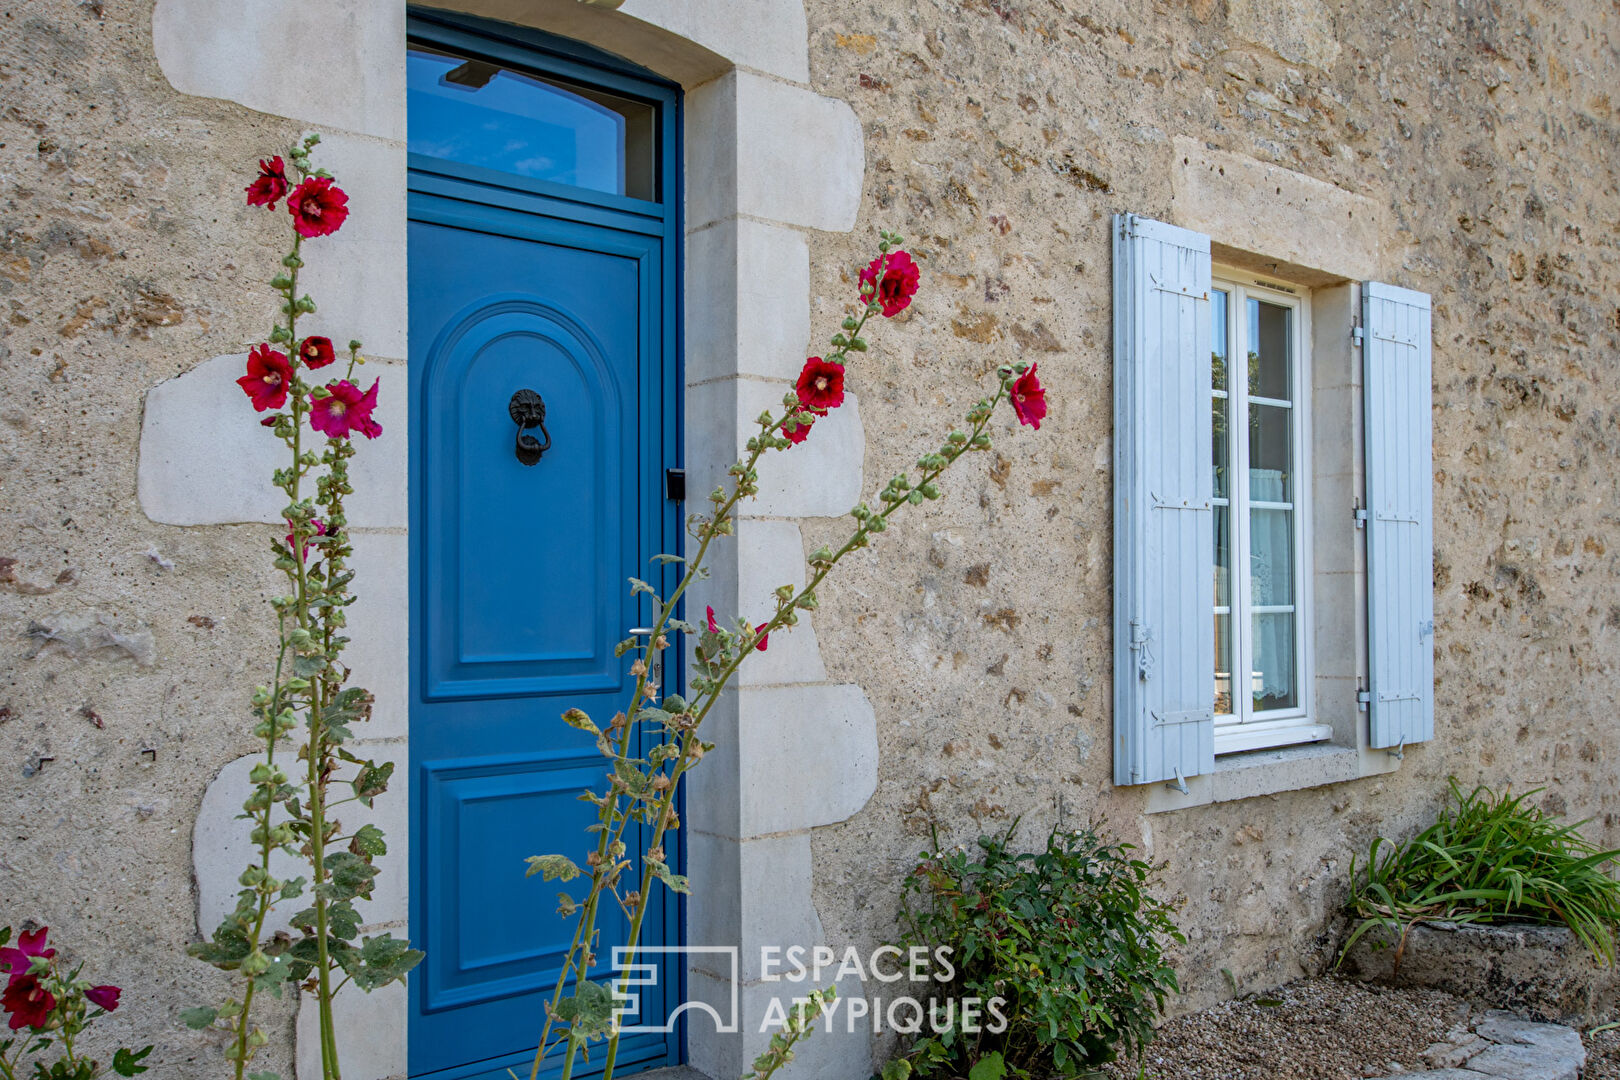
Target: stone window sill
x,y
1270,772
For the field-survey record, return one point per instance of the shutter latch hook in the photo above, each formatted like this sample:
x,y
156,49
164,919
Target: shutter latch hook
x,y
1180,784
1398,751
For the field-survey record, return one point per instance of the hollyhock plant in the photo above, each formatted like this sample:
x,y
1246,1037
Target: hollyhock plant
x,y
898,284
641,790
1029,399
343,409
52,1007
318,207
268,376
821,385
308,700
270,185
316,352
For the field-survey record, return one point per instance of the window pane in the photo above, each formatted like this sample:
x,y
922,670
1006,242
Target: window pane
x,y
1271,557
1222,455
1273,677
1223,665
1270,362
479,113
1270,454
1218,339
1223,556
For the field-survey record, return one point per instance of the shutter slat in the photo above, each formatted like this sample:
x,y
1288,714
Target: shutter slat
x,y
1164,558
1397,357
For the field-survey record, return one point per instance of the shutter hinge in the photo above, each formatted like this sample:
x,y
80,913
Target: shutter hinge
x,y
675,484
1361,517
1358,336
1363,699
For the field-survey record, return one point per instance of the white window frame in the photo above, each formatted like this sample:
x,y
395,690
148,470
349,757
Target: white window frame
x,y
1244,729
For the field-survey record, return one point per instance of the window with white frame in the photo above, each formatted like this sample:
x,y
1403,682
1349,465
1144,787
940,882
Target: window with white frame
x,y
1259,385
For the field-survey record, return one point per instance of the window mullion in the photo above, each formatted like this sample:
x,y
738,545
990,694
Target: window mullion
x,y
1238,390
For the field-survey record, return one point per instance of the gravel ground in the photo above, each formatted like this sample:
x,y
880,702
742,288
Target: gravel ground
x,y
1602,1056
1314,1029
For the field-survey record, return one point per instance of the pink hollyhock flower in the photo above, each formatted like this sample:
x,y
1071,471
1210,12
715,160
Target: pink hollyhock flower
x,y
316,352
268,376
104,996
28,1002
317,207
764,638
320,530
270,185
1029,399
345,410
714,628
821,385
899,285
16,961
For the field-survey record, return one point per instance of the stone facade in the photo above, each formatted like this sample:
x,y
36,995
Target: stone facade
x,y
962,666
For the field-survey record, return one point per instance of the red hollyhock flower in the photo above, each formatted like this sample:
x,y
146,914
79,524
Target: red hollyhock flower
x,y
821,385
714,628
270,185
16,961
764,639
899,285
104,996
345,410
317,207
1029,399
316,352
320,530
268,376
797,435
28,1002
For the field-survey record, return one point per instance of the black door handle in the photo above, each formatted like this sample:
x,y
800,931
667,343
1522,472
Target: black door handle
x,y
529,410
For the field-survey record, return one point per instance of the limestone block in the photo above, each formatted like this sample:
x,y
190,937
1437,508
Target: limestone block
x,y
711,153
755,894
800,156
834,1051
766,35
1526,1063
771,554
373,1028
204,460
379,631
1273,218
808,756
752,315
221,850
820,477
350,73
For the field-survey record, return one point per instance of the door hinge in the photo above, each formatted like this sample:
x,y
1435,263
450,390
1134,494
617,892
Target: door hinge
x,y
675,484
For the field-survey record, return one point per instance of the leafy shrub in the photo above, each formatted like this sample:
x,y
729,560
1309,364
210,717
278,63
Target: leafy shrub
x,y
1070,938
1489,858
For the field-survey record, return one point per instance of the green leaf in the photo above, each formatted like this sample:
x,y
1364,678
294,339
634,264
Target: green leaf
x,y
589,1013
372,780
126,1062
989,1067
898,1069
368,842
305,667
5,937
350,876
639,586
199,1018
576,718
552,867
674,882
566,905
667,559
385,959
264,1076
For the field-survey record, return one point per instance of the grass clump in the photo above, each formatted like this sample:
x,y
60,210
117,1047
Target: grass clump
x,y
1489,858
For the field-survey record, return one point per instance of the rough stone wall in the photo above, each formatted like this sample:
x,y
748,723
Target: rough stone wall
x,y
127,649
1001,136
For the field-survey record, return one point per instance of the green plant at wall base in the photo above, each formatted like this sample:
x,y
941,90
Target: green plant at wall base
x,y
1488,858
644,790
800,1026
305,716
1070,937
46,1006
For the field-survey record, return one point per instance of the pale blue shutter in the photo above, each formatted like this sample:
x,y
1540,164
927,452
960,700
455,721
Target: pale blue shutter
x,y
1396,359
1164,544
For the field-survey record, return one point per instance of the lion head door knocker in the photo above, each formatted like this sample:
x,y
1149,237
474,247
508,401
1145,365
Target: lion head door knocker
x,y
527,408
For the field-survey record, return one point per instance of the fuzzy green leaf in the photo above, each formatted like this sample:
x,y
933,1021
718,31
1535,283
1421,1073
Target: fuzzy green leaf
x,y
199,1018
552,867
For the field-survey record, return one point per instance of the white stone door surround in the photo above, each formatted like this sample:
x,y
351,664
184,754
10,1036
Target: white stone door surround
x,y
766,159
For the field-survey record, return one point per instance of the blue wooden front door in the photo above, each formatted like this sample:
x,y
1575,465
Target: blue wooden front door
x,y
541,260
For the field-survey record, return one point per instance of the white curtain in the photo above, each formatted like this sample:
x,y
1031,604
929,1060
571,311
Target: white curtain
x,y
1271,569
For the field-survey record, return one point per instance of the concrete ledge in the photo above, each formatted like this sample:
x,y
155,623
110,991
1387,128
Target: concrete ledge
x,y
1544,971
1273,220
1261,772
